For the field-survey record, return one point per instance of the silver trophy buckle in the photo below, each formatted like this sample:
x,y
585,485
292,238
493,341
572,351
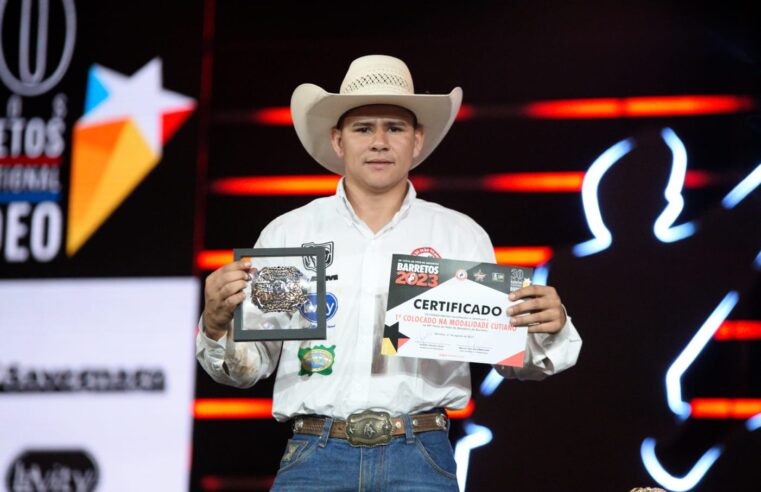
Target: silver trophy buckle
x,y
368,428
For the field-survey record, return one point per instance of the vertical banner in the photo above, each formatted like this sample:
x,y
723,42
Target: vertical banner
x,y
96,384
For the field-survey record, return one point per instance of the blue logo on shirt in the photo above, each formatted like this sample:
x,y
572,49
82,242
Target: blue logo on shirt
x,y
309,308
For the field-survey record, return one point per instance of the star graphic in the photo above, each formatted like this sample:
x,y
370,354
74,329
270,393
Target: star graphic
x,y
140,98
392,333
479,276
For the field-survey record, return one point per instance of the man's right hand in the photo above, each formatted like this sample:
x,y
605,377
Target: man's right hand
x,y
222,293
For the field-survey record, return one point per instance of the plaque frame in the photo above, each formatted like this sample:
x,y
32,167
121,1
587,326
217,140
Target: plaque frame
x,y
315,333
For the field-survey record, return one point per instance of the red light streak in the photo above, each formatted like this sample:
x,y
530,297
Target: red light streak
x,y
534,182
261,408
738,330
725,408
638,107
211,259
523,255
318,184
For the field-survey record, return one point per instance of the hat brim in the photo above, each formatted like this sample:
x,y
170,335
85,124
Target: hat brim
x,y
315,113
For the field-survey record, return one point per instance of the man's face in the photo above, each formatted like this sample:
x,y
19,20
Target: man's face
x,y
377,144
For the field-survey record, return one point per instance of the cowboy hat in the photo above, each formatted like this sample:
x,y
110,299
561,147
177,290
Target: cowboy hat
x,y
372,79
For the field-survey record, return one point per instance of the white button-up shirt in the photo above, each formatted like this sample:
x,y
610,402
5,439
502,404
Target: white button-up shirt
x,y
358,376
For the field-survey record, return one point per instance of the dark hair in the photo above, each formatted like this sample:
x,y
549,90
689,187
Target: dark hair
x,y
340,123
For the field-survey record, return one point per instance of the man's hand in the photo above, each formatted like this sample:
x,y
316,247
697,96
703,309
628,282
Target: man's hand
x,y
222,293
541,309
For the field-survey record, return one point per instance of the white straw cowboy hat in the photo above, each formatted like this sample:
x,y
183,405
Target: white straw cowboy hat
x,y
373,79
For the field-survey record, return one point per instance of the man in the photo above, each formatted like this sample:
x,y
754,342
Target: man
x,y
372,132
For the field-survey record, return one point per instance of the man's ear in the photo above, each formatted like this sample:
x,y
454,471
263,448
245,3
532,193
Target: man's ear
x,y
336,142
419,140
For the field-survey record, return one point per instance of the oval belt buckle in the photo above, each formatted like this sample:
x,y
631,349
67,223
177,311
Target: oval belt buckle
x,y
368,428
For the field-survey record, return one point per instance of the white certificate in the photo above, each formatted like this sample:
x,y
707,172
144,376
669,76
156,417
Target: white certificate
x,y
453,310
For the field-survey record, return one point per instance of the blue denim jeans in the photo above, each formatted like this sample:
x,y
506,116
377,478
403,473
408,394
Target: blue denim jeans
x,y
416,462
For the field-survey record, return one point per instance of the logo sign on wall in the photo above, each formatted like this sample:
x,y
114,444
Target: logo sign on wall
x,y
97,387
116,143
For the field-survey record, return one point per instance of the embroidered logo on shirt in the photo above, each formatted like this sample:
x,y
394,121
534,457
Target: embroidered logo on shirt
x,y
310,263
309,308
426,251
479,276
317,360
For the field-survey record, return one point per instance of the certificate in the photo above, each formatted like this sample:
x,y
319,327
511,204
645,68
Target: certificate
x,y
453,310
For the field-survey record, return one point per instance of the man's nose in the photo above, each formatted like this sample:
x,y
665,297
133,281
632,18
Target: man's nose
x,y
380,140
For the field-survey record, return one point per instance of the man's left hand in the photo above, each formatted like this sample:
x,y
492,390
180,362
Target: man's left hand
x,y
541,309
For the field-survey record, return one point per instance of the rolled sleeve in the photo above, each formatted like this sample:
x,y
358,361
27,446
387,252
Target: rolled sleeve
x,y
547,354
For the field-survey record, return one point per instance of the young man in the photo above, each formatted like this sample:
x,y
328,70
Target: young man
x,y
372,133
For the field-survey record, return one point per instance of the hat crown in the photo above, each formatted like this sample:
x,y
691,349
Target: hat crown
x,y
377,74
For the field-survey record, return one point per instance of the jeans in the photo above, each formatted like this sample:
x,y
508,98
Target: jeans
x,y
416,462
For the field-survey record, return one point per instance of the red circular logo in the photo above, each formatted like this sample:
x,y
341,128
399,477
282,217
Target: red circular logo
x,y
426,251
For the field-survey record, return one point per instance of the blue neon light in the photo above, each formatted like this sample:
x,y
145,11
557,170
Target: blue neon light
x,y
540,274
743,189
667,480
602,237
757,261
491,382
674,375
673,193
753,423
476,436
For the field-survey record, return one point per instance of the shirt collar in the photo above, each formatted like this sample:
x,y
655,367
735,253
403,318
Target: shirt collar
x,y
347,211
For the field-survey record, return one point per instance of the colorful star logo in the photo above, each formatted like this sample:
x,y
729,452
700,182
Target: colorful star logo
x,y
117,142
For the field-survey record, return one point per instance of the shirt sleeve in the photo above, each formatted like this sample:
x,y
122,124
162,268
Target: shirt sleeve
x,y
547,354
241,364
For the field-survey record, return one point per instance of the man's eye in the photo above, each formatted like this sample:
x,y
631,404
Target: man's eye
x,y
362,129
395,129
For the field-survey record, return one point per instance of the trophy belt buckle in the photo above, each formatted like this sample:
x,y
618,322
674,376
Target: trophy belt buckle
x,y
368,428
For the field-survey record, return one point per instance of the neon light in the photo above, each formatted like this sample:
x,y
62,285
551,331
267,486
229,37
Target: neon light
x,y
213,259
541,273
674,374
566,181
523,255
476,436
602,236
261,408
232,408
757,261
665,479
743,189
662,227
463,413
275,116
725,408
638,107
739,330
753,423
491,382
507,255
277,185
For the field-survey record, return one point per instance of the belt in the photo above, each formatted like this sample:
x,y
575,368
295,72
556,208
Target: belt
x,y
370,428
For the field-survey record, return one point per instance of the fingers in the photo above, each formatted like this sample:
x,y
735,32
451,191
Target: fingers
x,y
540,310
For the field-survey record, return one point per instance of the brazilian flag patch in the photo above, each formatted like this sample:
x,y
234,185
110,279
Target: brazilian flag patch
x,y
317,360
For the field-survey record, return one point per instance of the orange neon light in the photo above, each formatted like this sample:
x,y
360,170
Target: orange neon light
x,y
232,408
725,408
638,107
211,259
534,182
738,330
464,413
277,185
523,255
261,408
319,184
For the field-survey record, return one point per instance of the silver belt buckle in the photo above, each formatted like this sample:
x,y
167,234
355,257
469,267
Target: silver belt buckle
x,y
368,428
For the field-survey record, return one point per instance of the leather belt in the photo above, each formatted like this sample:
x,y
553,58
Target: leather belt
x,y
370,428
